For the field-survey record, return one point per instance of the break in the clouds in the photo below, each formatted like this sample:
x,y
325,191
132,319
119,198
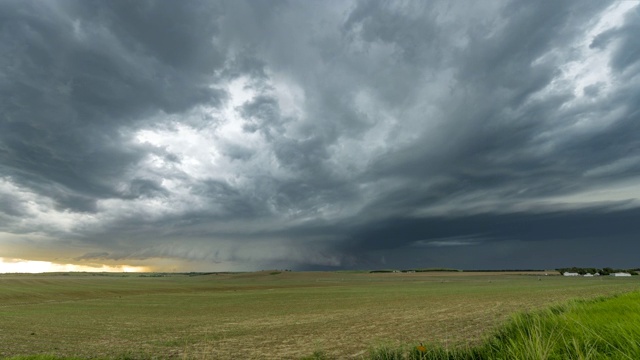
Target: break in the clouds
x,y
245,135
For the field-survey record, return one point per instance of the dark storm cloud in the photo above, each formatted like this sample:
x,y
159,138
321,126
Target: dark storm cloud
x,y
12,206
320,134
628,53
543,240
78,76
491,138
593,223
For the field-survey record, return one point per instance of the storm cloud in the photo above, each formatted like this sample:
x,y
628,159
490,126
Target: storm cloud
x,y
342,134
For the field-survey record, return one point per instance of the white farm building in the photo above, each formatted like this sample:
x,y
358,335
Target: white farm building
x,y
621,274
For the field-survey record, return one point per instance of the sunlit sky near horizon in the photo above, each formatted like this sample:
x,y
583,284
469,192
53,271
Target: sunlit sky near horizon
x,y
30,266
307,135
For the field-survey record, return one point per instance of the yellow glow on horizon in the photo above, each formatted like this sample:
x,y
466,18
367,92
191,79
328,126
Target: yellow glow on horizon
x,y
33,266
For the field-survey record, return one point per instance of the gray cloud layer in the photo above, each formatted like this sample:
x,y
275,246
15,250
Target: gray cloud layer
x,y
309,134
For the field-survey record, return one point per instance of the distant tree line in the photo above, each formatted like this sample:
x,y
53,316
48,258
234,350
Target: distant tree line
x,y
504,270
451,270
413,270
603,271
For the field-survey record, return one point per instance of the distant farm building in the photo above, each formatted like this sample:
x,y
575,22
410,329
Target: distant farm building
x,y
588,275
570,274
621,274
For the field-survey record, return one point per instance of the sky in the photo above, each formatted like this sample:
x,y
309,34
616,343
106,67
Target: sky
x,y
317,135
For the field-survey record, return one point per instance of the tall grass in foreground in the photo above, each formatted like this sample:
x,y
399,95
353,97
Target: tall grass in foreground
x,y
605,328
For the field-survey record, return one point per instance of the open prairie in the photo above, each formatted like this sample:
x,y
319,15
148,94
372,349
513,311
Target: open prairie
x,y
268,314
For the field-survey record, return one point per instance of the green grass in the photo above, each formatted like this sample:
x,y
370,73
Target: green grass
x,y
604,328
597,329
290,315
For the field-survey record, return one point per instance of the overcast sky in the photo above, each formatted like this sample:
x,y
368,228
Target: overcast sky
x,y
246,135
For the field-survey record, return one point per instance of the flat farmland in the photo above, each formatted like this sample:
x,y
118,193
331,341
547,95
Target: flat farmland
x,y
268,315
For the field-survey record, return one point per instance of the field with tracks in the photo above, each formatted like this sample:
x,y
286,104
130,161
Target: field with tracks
x,y
268,314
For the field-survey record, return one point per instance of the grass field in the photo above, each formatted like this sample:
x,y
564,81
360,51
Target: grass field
x,y
269,314
595,329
